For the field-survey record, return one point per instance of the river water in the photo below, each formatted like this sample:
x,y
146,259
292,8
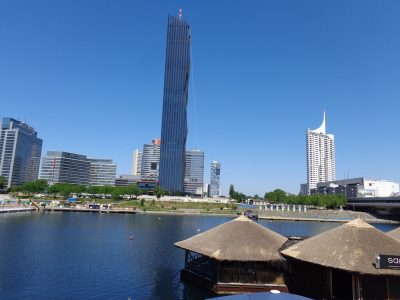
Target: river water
x,y
91,255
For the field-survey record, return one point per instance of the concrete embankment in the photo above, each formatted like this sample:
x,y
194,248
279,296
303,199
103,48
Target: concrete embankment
x,y
13,209
320,216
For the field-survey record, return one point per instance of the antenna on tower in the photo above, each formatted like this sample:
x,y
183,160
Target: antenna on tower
x,y
180,14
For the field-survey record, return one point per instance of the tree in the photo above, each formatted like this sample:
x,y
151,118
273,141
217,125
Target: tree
x,y
106,190
278,196
93,190
236,195
54,189
133,190
117,192
159,192
34,187
232,191
3,182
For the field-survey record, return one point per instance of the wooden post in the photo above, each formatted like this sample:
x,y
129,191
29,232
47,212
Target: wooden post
x,y
388,288
357,294
218,270
330,285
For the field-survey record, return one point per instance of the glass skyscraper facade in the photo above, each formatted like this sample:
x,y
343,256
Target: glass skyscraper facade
x,y
20,151
174,115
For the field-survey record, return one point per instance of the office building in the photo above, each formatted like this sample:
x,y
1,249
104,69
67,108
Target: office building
x,y
137,162
206,188
215,175
320,156
194,172
65,167
304,189
174,112
150,161
20,151
358,188
102,172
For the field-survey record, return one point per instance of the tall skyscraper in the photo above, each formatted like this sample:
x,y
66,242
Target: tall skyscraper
x,y
174,114
194,172
20,151
215,179
320,156
150,161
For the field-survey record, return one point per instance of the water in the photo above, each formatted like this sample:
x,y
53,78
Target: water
x,y
90,255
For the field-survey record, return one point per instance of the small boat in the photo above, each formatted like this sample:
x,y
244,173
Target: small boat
x,y
251,215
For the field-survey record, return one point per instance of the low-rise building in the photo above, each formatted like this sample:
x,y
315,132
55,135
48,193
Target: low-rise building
x,y
358,188
125,180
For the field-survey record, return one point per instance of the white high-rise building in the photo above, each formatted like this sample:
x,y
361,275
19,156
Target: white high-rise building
x,y
194,172
320,156
137,162
215,175
150,160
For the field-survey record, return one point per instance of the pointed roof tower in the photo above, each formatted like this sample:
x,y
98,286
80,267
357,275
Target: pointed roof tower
x,y
322,128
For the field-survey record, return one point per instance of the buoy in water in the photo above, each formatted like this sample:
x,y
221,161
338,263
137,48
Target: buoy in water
x,y
131,237
198,229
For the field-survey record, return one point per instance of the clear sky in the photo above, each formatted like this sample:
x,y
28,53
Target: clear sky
x,y
88,75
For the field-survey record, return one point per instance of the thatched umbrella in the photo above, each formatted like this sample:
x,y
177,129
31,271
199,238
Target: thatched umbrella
x,y
238,240
351,247
237,256
395,233
341,263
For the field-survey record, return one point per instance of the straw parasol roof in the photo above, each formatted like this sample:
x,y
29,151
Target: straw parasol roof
x,y
238,240
395,233
351,247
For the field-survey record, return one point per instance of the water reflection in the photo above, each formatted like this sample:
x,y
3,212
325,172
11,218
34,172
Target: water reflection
x,y
90,255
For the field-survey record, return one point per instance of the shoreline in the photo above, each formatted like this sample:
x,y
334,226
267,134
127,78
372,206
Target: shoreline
x,y
346,215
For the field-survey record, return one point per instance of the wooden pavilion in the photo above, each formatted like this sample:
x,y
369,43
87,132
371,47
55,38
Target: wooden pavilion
x,y
237,256
395,233
341,264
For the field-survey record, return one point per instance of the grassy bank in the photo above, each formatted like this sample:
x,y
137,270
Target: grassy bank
x,y
195,207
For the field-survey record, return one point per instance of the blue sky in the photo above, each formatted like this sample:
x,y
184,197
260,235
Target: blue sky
x,y
88,75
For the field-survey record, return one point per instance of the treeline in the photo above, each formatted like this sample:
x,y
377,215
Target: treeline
x,y
280,196
66,189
